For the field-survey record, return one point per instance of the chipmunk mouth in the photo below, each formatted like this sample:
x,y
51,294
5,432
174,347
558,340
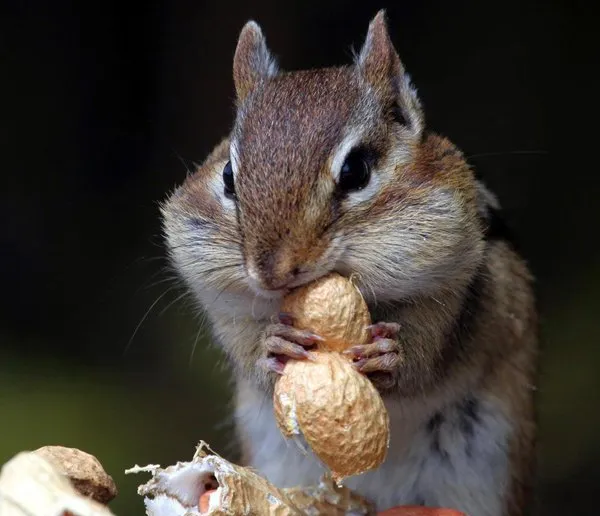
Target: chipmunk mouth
x,y
272,279
271,294
281,291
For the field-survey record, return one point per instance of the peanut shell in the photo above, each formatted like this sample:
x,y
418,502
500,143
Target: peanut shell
x,y
333,308
337,410
83,470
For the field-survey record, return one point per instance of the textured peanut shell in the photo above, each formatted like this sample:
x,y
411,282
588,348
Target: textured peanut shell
x,y
31,484
337,410
83,470
177,489
333,308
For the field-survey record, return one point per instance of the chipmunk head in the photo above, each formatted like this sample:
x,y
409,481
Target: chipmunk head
x,y
329,169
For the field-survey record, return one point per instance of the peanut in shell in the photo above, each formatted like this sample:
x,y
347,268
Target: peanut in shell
x,y
338,410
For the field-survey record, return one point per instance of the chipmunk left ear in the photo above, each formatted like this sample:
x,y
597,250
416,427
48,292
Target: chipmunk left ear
x,y
252,61
380,65
378,58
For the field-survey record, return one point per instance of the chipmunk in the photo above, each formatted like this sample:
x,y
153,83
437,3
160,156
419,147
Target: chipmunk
x,y
332,170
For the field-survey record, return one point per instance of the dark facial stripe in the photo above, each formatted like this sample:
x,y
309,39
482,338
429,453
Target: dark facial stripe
x,y
398,115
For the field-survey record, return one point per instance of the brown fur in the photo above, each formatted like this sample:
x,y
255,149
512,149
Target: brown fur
x,y
285,137
416,244
513,371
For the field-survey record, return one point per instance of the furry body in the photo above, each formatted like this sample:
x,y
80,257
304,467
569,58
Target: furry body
x,y
422,237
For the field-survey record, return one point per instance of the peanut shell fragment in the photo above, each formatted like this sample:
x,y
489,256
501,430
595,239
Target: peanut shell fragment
x,y
84,471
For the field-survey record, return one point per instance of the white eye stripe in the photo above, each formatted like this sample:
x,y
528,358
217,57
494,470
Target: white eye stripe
x,y
348,143
234,156
352,140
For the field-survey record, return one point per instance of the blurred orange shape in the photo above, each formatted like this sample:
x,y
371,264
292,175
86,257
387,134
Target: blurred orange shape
x,y
204,502
417,510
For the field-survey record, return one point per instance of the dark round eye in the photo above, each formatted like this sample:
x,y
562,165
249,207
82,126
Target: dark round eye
x,y
228,185
355,173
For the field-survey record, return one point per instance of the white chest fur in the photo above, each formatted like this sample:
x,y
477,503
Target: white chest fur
x,y
457,458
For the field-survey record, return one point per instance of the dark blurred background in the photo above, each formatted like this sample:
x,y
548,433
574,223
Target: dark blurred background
x,y
103,107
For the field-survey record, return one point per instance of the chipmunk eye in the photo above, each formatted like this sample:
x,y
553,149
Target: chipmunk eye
x,y
355,173
228,184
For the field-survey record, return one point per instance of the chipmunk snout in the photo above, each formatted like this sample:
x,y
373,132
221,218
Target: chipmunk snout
x,y
274,270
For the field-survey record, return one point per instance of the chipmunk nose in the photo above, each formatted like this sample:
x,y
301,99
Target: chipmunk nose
x,y
273,270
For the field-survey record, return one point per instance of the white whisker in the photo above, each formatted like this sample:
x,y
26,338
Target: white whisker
x,y
144,318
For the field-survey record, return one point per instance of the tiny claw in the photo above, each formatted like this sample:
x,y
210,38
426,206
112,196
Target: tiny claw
x,y
379,347
299,354
304,354
354,351
383,330
360,363
387,363
310,356
277,346
292,334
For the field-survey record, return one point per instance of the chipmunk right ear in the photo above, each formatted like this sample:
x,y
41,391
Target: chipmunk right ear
x,y
378,58
380,65
252,61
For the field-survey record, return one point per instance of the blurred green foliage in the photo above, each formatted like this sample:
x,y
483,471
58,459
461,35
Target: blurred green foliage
x,y
123,416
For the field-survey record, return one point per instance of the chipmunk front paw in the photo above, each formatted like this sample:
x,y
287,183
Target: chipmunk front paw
x,y
380,359
283,342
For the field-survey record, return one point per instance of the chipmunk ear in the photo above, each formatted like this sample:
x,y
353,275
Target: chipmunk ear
x,y
378,58
380,65
252,61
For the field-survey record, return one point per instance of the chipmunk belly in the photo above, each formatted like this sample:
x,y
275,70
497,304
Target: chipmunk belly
x,y
434,461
